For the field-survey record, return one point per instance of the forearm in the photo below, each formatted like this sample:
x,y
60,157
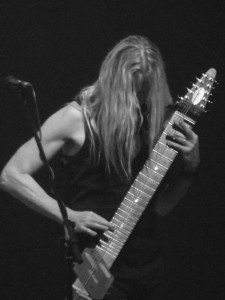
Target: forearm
x,y
29,192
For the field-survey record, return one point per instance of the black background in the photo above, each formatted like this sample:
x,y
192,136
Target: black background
x,y
58,46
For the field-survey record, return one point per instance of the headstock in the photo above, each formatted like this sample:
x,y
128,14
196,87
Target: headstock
x,y
194,102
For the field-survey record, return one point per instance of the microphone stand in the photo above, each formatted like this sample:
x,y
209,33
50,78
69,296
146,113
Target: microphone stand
x,y
71,242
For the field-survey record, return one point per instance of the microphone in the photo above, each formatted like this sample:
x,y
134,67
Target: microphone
x,y
13,83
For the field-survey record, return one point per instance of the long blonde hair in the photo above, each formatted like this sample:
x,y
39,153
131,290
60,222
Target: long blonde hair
x,y
131,76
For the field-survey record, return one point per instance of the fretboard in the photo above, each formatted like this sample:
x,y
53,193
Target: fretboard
x,y
140,193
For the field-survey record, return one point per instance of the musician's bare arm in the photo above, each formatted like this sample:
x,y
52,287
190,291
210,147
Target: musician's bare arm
x,y
62,129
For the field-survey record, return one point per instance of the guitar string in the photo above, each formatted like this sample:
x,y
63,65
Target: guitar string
x,y
128,213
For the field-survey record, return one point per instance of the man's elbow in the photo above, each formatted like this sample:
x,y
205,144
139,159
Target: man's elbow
x,y
6,178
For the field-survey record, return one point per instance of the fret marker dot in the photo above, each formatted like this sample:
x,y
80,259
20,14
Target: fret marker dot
x,y
156,168
136,200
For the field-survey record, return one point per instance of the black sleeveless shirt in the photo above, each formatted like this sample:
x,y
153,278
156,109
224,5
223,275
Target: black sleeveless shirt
x,y
91,187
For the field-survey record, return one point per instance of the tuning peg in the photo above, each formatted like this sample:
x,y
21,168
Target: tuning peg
x,y
190,91
209,86
212,79
199,80
181,98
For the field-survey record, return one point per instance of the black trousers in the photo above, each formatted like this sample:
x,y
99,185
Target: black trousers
x,y
144,283
137,292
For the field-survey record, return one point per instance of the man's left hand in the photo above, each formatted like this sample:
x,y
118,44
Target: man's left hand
x,y
186,142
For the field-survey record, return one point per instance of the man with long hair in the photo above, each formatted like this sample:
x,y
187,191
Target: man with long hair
x,y
104,138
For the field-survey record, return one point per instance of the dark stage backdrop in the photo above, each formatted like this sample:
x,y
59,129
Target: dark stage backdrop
x,y
58,46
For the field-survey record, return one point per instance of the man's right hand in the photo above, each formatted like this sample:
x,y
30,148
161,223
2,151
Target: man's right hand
x,y
89,222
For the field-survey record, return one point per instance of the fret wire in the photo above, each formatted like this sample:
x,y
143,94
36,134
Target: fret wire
x,y
185,118
117,244
131,213
159,164
154,171
145,185
130,216
160,172
145,194
123,218
156,157
167,150
136,208
162,155
124,225
120,236
108,235
116,247
123,211
115,238
124,231
109,251
127,216
132,195
139,203
111,245
108,242
106,251
142,174
161,143
114,251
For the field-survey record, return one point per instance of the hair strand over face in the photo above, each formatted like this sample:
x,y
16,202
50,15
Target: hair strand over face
x,y
131,77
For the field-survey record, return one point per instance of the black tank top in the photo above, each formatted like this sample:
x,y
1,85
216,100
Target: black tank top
x,y
91,187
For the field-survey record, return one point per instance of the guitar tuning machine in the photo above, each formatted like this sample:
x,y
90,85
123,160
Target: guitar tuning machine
x,y
199,80
209,86
212,79
190,91
208,93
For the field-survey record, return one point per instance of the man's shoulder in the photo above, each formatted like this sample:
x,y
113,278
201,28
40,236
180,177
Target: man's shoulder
x,y
67,122
72,113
